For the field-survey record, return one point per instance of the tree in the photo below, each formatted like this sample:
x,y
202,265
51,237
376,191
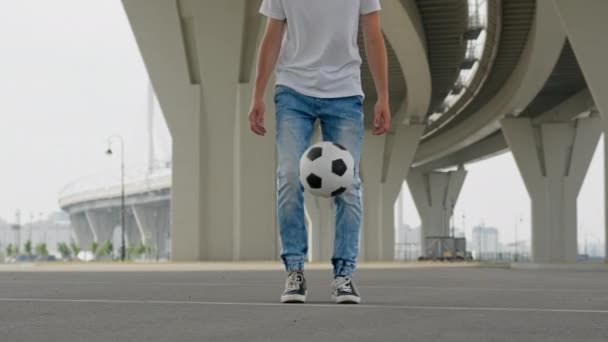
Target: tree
x,y
94,247
64,250
131,251
141,249
42,250
9,250
75,249
105,249
28,247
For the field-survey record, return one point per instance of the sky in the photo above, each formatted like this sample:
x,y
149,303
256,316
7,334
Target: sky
x,y
72,75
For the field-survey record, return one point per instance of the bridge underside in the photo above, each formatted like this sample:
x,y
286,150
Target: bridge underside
x,y
539,89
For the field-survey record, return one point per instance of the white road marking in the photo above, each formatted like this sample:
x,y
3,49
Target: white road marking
x,y
335,306
362,286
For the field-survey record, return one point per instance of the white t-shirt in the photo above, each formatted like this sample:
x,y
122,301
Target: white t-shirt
x,y
319,56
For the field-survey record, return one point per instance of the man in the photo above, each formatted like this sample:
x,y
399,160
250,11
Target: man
x,y
318,77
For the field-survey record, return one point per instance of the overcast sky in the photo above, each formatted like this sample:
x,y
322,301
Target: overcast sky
x,y
71,75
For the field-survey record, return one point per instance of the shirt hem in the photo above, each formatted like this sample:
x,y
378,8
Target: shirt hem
x,y
320,93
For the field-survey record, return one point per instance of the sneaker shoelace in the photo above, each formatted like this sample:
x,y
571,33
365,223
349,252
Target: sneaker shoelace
x,y
294,280
343,284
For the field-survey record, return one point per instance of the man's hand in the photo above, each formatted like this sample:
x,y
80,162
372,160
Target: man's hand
x,y
382,118
256,117
378,65
267,58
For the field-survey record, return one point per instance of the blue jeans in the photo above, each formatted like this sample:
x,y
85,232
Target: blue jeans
x,y
341,122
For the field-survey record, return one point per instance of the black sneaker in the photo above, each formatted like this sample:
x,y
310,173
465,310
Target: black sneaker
x,y
343,291
295,288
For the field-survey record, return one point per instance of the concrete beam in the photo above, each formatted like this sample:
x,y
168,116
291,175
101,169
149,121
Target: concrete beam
x,y
545,43
553,159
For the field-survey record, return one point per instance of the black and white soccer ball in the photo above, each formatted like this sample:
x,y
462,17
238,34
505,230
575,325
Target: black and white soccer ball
x,y
327,169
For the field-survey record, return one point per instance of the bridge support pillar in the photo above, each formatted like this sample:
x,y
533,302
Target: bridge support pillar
x,y
254,228
320,213
82,230
435,194
553,159
585,26
102,223
196,75
152,221
381,184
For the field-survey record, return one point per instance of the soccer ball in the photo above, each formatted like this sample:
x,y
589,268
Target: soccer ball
x,y
327,169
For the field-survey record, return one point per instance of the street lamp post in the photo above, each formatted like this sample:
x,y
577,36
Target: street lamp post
x,y
122,190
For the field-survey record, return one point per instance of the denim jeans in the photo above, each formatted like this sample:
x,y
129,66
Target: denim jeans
x,y
341,122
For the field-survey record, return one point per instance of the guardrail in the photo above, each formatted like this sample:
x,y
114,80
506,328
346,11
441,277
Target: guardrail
x,y
103,186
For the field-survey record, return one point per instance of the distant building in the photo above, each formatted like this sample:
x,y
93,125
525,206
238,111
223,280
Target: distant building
x,y
53,229
407,242
485,241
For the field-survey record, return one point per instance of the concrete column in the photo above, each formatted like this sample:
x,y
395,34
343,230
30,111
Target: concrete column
x,y
219,58
372,157
586,28
164,39
133,233
381,183
82,230
102,223
145,217
435,195
187,210
254,227
553,159
196,73
320,215
153,226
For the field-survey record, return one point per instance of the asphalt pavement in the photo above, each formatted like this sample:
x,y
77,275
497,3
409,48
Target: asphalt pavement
x,y
399,304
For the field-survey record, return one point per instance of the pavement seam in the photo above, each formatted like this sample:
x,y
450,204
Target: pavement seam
x,y
364,306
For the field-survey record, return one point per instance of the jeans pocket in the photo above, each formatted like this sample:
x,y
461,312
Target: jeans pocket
x,y
280,89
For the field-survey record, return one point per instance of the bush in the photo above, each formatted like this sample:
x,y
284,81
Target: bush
x,y
10,250
94,247
64,250
106,249
28,247
75,249
42,250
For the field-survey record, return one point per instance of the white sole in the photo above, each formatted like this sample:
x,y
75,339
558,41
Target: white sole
x,y
346,299
293,298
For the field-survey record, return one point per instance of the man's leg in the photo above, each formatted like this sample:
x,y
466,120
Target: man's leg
x,y
342,123
295,122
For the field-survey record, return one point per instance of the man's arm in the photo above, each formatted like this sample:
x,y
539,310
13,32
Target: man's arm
x,y
375,50
267,59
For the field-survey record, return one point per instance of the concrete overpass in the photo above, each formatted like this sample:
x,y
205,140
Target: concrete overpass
x,y
94,205
468,79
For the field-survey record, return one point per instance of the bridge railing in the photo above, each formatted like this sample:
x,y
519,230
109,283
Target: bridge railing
x,y
104,185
